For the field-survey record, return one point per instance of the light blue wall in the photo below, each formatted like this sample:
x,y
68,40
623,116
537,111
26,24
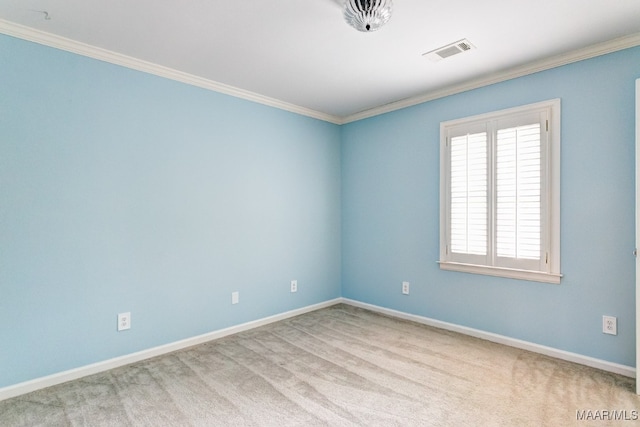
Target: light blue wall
x,y
121,191
390,213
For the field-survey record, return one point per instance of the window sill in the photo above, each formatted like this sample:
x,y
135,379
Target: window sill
x,y
536,276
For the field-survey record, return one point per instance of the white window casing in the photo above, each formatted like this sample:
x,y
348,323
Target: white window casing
x,y
500,193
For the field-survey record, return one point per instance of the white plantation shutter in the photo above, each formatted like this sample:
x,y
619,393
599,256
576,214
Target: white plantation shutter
x,y
499,205
469,194
518,192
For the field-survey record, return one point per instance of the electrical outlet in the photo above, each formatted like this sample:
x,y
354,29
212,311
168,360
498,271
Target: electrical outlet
x,y
405,288
235,297
294,286
610,325
124,321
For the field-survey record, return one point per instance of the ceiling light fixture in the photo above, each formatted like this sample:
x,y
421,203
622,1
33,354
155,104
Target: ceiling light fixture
x,y
367,15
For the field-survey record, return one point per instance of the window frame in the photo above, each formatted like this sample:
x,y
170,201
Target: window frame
x,y
548,268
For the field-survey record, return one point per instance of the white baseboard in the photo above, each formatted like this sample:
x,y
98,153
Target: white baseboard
x,y
627,371
83,371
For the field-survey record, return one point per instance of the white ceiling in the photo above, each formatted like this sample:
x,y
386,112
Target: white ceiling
x,y
301,52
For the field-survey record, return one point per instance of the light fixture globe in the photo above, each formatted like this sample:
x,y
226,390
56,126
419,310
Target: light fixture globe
x,y
367,15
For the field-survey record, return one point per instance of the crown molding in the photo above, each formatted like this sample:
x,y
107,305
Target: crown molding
x,y
604,48
69,45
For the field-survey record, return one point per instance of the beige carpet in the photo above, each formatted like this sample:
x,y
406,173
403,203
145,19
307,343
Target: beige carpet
x,y
340,366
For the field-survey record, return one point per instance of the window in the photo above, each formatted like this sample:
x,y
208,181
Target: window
x,y
500,193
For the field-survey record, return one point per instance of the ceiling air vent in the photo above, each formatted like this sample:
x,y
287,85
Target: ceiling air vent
x,y
449,50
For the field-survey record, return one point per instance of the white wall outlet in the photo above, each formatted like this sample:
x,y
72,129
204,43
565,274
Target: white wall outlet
x,y
405,288
235,297
294,286
610,325
124,321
